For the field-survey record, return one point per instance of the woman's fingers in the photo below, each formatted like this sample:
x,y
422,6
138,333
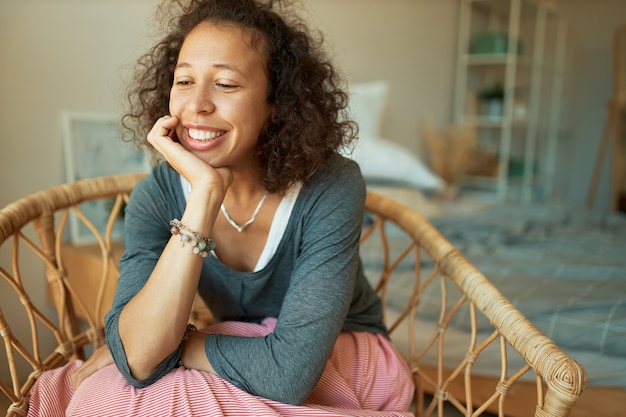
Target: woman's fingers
x,y
178,157
159,136
190,166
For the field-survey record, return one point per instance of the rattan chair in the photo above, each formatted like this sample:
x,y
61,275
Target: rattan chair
x,y
35,254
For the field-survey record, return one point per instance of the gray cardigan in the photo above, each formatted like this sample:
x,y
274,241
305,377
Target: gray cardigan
x,y
314,284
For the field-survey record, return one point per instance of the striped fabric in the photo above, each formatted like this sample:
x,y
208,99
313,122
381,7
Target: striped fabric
x,y
365,376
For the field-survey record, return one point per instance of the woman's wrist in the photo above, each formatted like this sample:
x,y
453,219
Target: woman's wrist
x,y
201,211
193,354
189,329
201,245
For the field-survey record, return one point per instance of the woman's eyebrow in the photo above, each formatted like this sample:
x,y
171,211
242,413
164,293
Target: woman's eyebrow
x,y
219,66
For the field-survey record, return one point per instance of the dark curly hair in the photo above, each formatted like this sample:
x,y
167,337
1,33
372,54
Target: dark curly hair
x,y
309,122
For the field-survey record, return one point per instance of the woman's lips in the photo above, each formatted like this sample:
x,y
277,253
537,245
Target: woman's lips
x,y
204,139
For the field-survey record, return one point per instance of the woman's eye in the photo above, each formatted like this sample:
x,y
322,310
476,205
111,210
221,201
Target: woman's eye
x,y
226,86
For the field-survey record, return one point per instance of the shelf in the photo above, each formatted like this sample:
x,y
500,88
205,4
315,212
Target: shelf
x,y
502,7
496,59
530,77
479,182
493,123
499,60
491,183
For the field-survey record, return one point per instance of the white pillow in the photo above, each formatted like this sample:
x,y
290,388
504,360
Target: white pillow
x,y
366,105
383,160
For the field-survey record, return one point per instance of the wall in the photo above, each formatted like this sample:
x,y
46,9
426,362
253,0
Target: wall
x,y
588,91
57,55
411,43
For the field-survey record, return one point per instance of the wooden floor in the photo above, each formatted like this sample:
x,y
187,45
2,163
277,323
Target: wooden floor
x,y
451,411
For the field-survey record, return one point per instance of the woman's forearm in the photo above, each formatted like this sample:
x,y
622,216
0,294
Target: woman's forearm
x,y
152,324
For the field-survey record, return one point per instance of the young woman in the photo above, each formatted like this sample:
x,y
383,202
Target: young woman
x,y
253,208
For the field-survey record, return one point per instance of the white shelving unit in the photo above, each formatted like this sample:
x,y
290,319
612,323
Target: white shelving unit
x,y
517,46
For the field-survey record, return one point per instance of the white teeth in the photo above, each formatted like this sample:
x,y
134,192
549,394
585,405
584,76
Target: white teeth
x,y
204,135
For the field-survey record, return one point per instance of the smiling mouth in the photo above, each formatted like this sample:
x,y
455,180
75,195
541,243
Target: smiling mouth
x,y
205,135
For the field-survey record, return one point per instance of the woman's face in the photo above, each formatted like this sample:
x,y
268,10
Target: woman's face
x,y
219,95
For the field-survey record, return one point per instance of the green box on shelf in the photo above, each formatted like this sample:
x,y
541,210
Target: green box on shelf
x,y
491,43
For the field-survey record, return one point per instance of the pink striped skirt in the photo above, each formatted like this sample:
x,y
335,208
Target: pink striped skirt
x,y
365,376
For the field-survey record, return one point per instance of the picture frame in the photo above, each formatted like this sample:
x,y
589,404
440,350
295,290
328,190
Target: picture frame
x,y
93,147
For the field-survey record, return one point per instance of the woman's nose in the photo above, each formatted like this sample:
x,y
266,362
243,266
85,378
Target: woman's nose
x,y
201,100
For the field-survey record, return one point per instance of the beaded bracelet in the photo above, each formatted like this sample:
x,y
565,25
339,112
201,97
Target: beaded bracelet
x,y
201,245
190,328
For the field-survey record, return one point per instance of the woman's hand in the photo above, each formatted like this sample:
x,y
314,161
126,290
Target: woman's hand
x,y
193,169
100,358
194,355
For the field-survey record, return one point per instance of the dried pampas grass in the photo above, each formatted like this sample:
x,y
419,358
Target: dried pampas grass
x,y
451,152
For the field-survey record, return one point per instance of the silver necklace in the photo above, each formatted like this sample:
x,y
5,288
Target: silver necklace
x,y
249,222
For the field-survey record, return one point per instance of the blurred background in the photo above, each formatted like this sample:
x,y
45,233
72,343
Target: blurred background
x,y
74,55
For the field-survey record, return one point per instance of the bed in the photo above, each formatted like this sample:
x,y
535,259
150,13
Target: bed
x,y
411,264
